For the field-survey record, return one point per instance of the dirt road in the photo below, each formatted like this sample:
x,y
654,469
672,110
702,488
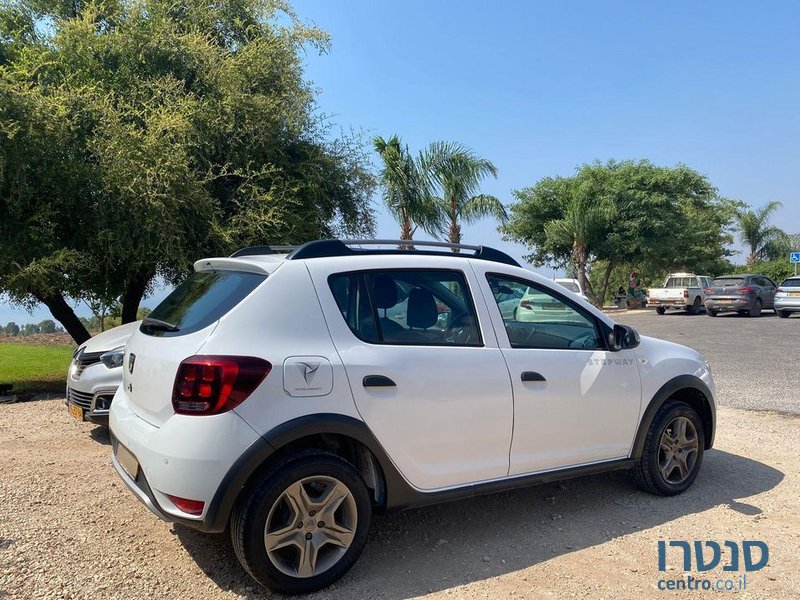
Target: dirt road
x,y
70,529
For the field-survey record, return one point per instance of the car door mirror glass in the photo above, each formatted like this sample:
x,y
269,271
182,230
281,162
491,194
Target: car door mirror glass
x,y
623,337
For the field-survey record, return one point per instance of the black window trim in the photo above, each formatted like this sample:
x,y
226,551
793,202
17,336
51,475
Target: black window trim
x,y
469,297
601,327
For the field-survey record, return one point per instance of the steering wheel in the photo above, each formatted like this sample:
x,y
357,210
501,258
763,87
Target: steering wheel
x,y
462,331
587,340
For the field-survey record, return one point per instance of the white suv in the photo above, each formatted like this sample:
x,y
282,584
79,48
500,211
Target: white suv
x,y
288,397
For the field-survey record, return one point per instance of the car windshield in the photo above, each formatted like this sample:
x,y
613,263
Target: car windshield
x,y
791,283
570,285
728,281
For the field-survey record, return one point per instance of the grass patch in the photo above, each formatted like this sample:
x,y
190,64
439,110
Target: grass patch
x,y
34,368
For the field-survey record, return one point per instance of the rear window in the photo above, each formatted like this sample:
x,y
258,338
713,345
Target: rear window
x,y
571,286
681,282
791,283
728,281
202,299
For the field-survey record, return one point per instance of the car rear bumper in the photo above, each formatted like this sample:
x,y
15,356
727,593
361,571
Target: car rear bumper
x,y
725,304
655,303
787,304
189,457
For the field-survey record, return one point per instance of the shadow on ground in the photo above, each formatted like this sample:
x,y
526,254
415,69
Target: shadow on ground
x,y
431,549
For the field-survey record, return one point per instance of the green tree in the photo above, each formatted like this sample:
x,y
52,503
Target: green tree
x,y
47,326
137,136
765,242
458,172
407,189
12,329
629,213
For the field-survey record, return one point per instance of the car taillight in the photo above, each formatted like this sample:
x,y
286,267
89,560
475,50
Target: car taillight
x,y
525,304
685,293
745,289
708,291
193,507
209,385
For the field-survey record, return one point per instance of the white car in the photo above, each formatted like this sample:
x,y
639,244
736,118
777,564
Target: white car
x,y
574,286
280,396
95,374
684,291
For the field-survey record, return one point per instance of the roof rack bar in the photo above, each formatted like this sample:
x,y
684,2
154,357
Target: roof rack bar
x,y
328,248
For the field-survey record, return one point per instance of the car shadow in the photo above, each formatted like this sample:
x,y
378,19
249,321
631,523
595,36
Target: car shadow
x,y
101,435
431,549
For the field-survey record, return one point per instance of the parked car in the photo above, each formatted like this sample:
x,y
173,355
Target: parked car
x,y
274,396
787,297
683,291
746,294
536,306
574,286
95,374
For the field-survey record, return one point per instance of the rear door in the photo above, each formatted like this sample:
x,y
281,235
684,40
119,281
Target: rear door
x,y
424,368
768,289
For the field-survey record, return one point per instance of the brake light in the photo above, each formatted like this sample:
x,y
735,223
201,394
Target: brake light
x,y
525,304
746,289
209,385
685,293
192,507
708,291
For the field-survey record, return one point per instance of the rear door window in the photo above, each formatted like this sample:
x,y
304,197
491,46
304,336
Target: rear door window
x,y
728,281
407,307
200,300
791,283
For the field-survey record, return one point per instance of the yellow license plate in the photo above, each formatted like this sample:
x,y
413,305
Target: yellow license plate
x,y
127,461
794,293
76,411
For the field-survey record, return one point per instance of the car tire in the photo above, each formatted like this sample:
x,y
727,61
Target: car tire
x,y
285,501
782,314
670,459
660,310
694,309
712,313
756,310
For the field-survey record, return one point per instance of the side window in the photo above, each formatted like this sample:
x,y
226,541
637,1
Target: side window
x,y
535,317
410,307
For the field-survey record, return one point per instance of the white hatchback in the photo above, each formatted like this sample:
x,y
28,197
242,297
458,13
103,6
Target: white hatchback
x,y
287,397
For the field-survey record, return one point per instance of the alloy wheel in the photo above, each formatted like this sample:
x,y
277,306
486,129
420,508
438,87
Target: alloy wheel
x,y
311,526
678,450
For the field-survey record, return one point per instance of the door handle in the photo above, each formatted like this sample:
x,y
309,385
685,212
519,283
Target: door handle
x,y
532,376
378,381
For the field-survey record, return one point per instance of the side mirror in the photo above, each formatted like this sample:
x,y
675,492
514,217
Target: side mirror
x,y
623,337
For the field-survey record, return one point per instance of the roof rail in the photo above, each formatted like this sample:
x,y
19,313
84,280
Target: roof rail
x,y
256,250
326,248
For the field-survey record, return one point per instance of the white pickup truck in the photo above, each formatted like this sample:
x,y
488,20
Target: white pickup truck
x,y
681,290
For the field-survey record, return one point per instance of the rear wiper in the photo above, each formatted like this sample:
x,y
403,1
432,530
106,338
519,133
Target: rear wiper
x,y
158,325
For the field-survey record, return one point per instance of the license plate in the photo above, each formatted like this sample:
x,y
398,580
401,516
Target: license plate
x,y
127,461
76,411
794,293
725,301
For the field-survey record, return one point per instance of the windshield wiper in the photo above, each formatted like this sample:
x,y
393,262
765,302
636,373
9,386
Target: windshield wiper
x,y
159,325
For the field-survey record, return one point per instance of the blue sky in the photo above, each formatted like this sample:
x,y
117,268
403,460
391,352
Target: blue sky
x,y
540,87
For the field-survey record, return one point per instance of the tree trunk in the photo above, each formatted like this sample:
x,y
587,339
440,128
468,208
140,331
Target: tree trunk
x,y
606,277
455,229
579,258
63,313
133,295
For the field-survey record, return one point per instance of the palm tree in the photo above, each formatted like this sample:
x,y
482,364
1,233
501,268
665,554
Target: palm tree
x,y
764,240
458,172
406,189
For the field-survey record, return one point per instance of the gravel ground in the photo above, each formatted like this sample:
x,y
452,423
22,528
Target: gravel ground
x,y
753,360
70,529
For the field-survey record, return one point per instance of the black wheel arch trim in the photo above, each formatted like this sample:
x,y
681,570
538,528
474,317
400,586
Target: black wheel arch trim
x,y
667,391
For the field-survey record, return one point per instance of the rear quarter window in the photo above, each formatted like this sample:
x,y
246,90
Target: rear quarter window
x,y
202,299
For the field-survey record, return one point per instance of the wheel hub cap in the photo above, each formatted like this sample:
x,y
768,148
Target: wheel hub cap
x,y
678,450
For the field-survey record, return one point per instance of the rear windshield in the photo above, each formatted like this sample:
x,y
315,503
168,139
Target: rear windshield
x,y
681,282
791,283
571,286
728,281
201,300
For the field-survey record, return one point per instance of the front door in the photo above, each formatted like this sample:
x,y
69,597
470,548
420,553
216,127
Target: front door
x,y
425,371
575,402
